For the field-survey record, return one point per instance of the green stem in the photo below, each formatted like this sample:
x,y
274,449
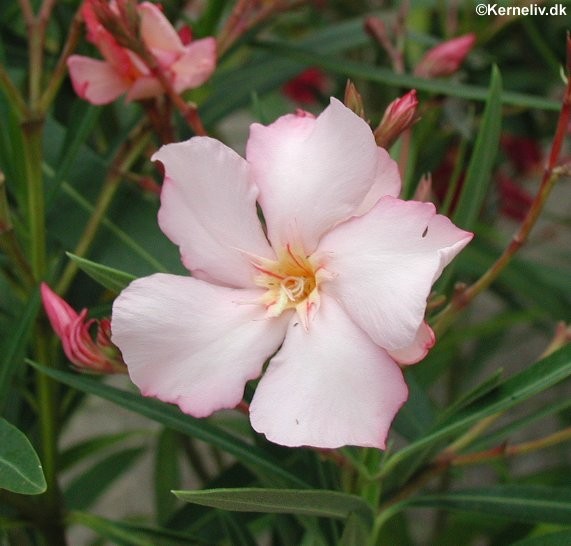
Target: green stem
x,y
125,158
60,71
51,524
503,451
32,132
36,37
11,92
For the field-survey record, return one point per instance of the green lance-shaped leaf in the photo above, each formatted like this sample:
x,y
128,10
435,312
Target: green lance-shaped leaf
x,y
355,533
110,278
561,538
15,347
130,534
509,393
526,503
386,76
332,504
173,418
20,468
479,173
88,487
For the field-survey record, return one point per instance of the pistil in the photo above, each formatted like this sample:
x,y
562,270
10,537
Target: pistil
x,y
291,282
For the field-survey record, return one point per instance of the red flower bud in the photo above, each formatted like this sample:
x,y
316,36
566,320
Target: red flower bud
x,y
398,117
446,58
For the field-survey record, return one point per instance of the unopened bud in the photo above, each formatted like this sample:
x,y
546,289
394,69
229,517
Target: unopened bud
x,y
446,58
95,354
398,117
353,99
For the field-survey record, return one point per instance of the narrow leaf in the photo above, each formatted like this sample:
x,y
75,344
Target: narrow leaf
x,y
511,392
83,450
355,532
561,538
126,534
14,351
171,417
526,503
239,535
479,173
166,474
110,278
386,76
89,486
476,393
323,503
20,468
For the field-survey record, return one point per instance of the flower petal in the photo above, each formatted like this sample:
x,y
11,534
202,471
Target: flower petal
x,y
196,65
145,87
60,314
422,343
208,208
384,264
192,343
156,30
329,386
386,182
312,173
95,81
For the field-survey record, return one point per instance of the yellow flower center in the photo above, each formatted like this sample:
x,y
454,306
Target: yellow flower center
x,y
291,282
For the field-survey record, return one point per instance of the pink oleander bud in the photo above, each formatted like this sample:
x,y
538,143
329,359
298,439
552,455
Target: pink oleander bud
x,y
353,99
398,117
446,58
95,354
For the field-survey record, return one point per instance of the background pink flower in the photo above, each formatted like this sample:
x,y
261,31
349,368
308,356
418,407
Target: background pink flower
x,y
122,71
335,283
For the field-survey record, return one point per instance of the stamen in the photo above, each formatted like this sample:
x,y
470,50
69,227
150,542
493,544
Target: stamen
x,y
270,273
294,287
295,258
290,283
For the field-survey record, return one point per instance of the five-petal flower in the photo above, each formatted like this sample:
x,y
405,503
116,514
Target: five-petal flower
x,y
334,283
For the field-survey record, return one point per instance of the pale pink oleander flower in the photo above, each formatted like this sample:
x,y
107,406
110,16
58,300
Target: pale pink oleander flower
x,y
87,353
337,288
446,58
122,71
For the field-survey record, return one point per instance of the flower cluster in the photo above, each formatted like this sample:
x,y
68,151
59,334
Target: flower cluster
x,y
331,286
185,65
